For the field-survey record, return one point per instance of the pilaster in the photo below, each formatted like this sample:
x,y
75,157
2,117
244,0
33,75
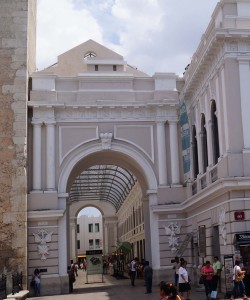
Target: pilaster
x,y
37,156
50,158
174,152
161,146
244,73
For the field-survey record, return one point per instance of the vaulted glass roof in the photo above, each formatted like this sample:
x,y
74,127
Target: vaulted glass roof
x,y
103,183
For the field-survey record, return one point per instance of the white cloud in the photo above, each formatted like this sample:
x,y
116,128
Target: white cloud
x,y
154,35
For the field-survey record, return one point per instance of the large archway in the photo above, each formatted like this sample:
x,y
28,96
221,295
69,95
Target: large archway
x,y
80,160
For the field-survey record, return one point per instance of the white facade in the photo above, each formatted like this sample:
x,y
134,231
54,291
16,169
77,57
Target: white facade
x,y
95,110
89,234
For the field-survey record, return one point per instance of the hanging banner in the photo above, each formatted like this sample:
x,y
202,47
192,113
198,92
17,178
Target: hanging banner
x,y
185,140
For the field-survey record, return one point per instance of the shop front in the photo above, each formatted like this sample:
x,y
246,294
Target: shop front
x,y
242,246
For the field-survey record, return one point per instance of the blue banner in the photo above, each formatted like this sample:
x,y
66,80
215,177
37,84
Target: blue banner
x,y
185,139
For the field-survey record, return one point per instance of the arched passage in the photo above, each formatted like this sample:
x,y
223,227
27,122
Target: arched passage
x,y
83,158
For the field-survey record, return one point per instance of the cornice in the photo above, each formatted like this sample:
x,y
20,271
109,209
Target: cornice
x,y
214,190
45,215
103,111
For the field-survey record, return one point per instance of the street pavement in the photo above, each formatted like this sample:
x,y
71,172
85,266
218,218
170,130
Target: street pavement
x,y
113,289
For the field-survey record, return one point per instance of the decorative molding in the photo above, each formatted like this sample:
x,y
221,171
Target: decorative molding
x,y
43,237
171,231
43,114
106,140
114,113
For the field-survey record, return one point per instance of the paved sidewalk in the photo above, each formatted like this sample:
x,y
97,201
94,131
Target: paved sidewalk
x,y
112,289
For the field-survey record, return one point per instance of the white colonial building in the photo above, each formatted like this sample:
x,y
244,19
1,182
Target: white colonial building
x,y
89,235
166,159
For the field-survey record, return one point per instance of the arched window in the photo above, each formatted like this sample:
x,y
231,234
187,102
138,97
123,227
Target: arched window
x,y
215,134
195,152
204,143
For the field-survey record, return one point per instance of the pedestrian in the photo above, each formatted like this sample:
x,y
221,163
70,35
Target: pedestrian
x,y
168,291
148,276
207,272
76,267
133,266
84,265
176,268
217,267
239,287
37,282
184,285
72,278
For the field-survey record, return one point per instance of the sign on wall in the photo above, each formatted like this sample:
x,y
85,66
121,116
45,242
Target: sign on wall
x,y
185,139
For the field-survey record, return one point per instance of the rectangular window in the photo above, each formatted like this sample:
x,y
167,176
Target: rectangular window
x,y
97,243
96,67
90,227
97,227
78,244
91,244
78,228
114,67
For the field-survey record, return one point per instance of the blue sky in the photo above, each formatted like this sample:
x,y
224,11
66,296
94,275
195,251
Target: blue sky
x,y
153,35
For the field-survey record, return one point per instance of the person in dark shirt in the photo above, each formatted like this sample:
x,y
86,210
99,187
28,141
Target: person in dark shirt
x,y
148,276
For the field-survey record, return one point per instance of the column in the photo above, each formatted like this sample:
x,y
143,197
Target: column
x,y
209,131
106,243
115,233
37,156
162,159
63,239
198,132
220,108
210,154
50,162
152,230
174,152
73,239
245,104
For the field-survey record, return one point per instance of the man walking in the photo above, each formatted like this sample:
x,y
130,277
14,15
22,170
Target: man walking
x,y
217,267
148,276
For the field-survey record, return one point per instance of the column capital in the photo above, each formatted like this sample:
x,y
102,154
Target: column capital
x,y
160,121
50,123
37,122
173,122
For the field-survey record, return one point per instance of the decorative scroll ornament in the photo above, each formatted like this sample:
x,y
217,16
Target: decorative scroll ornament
x,y
106,140
222,223
172,230
43,237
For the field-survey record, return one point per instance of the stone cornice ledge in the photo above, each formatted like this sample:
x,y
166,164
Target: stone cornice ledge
x,y
45,214
216,189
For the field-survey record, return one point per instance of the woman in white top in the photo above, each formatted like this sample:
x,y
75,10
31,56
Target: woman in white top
x,y
184,285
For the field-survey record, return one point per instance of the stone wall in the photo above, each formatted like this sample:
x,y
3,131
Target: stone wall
x,y
15,38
